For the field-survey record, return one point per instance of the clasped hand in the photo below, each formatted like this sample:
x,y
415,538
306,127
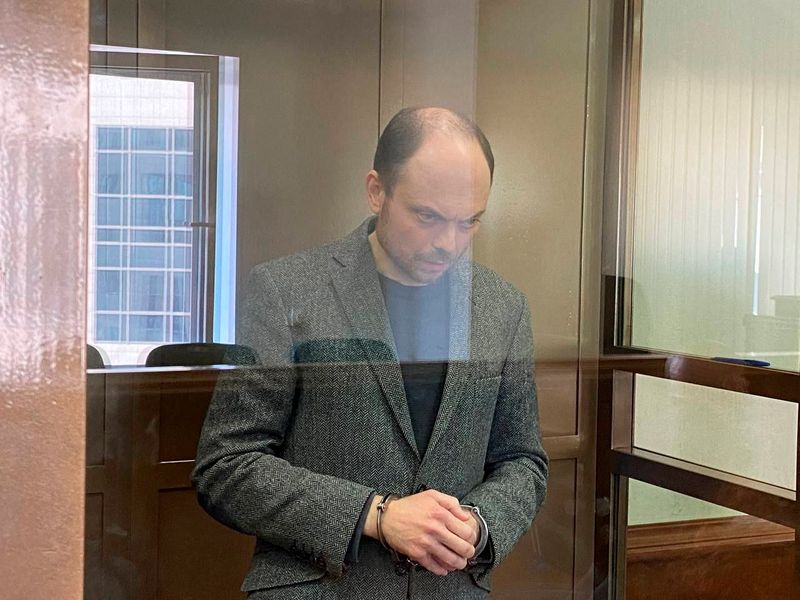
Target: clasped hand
x,y
430,528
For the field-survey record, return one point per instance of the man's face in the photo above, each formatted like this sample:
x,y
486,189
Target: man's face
x,y
432,215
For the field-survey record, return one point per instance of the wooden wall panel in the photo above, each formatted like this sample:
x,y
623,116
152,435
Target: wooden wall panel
x,y
147,535
541,565
170,548
181,415
95,420
93,548
198,558
712,559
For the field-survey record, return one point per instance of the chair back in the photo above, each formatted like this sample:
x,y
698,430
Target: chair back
x,y
94,360
200,354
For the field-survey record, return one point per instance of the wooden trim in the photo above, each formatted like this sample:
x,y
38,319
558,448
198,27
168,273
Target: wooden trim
x,y
622,409
619,527
758,381
684,539
731,491
772,383
628,154
562,447
96,479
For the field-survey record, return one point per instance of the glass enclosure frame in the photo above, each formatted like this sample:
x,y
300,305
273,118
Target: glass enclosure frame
x,y
617,458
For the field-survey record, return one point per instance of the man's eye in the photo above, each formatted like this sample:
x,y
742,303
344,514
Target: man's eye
x,y
470,223
426,217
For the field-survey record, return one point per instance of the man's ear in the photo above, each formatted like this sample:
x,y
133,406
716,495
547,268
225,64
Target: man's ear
x,y
376,194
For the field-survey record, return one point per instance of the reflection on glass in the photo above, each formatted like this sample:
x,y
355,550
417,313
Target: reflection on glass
x,y
717,428
183,175
148,139
109,173
180,329
146,328
716,229
109,284
147,291
108,328
180,292
109,256
182,213
184,140
109,138
110,235
149,211
109,211
149,236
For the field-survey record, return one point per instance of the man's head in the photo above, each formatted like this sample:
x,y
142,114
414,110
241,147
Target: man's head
x,y
429,186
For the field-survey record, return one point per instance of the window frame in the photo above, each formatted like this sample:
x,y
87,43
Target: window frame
x,y
201,70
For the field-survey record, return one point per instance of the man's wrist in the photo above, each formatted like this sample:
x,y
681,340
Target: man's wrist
x,y
371,524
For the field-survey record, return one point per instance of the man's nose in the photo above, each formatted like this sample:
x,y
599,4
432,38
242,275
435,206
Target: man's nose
x,y
447,239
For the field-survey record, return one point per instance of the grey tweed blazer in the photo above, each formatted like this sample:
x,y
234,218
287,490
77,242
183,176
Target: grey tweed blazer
x,y
292,449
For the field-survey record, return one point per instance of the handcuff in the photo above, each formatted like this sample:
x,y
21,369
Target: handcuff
x,y
402,563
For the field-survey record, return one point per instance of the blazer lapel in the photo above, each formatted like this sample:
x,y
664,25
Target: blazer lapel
x,y
355,279
462,340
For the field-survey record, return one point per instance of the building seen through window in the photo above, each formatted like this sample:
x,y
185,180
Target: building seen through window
x,y
141,247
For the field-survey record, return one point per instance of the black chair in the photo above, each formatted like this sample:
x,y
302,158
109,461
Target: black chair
x,y
200,354
94,360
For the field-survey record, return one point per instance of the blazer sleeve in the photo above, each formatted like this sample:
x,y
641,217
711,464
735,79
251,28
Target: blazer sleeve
x,y
240,479
516,467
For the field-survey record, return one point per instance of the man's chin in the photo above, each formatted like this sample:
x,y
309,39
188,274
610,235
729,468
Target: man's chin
x,y
429,273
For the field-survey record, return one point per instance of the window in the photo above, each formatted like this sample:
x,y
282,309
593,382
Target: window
x,y
143,240
144,201
155,220
714,265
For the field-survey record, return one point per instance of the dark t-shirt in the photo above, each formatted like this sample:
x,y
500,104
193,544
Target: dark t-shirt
x,y
420,321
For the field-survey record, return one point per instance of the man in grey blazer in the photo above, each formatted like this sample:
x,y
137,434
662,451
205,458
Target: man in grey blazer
x,y
387,445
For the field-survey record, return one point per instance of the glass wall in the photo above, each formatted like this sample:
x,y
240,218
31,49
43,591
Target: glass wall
x,y
382,299
716,231
346,329
708,273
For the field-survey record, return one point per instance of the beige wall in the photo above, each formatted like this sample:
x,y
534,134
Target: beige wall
x,y
43,144
520,69
428,55
530,102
